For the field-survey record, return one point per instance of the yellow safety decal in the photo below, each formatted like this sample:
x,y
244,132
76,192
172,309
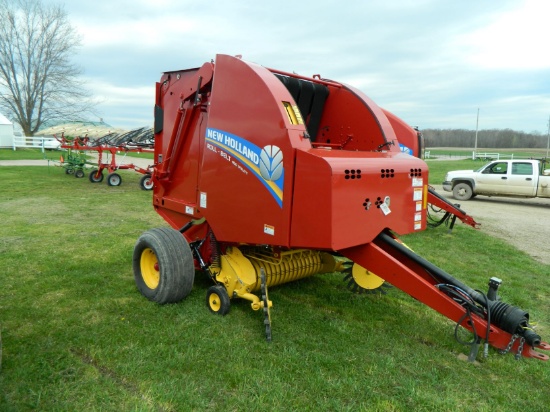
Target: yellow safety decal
x,y
293,113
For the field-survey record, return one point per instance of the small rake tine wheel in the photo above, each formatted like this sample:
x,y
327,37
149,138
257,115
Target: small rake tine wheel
x,y
361,281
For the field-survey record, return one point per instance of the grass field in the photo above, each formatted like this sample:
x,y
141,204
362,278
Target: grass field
x,y
28,154
35,154
78,336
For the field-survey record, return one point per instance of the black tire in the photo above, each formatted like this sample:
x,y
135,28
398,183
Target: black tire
x,y
114,179
217,300
79,173
462,191
163,265
146,183
69,171
95,176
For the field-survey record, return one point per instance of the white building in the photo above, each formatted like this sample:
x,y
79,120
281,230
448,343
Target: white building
x,y
6,132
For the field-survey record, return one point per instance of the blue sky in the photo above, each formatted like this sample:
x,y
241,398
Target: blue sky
x,y
431,62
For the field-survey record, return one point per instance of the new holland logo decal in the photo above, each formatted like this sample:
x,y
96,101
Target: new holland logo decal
x,y
266,163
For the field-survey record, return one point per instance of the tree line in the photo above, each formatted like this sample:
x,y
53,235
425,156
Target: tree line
x,y
489,138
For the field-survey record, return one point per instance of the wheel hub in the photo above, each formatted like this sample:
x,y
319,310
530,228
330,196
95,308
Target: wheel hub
x,y
214,302
150,268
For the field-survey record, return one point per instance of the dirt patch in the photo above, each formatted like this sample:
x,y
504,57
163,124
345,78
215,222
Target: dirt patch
x,y
524,223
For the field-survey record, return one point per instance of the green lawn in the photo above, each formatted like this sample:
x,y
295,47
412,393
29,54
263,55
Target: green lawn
x,y
35,154
438,168
78,336
28,154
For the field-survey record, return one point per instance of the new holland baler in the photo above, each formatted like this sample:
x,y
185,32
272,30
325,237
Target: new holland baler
x,y
266,177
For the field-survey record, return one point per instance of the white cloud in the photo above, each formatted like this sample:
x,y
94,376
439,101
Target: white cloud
x,y
516,39
430,61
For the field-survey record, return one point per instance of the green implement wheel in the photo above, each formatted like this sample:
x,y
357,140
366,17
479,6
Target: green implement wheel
x,y
163,265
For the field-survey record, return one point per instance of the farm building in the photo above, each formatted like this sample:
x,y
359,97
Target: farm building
x,y
6,132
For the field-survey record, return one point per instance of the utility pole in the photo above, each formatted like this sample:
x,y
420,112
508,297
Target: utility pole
x,y
548,144
477,126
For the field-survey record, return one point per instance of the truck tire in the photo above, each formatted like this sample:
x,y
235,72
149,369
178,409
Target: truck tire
x,y
163,265
462,191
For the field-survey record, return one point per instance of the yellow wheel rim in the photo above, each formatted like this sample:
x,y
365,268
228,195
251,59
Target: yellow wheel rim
x,y
215,302
149,265
365,279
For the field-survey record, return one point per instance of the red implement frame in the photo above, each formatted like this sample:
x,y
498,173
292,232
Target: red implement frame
x,y
86,144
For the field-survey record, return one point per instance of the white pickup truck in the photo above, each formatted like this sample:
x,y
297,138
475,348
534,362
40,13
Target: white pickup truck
x,y
510,178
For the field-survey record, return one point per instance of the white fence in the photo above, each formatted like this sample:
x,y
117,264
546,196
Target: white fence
x,y
35,142
494,156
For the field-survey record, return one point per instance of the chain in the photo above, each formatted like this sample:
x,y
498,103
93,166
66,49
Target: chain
x,y
511,343
520,348
509,347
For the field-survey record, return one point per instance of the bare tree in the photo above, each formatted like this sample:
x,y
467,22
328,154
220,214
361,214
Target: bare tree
x,y
38,80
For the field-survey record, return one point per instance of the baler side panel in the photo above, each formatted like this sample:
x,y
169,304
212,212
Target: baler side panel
x,y
247,125
342,198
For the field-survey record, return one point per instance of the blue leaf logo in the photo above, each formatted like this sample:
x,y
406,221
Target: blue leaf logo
x,y
271,163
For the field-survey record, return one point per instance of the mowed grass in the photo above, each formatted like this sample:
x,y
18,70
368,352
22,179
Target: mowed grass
x,y
77,335
29,154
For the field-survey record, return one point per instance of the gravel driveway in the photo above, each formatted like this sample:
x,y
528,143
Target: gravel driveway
x,y
525,223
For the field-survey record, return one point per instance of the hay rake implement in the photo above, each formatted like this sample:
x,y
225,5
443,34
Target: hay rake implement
x,y
108,149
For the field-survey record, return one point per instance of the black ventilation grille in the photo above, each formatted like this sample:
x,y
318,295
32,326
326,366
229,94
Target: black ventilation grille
x,y
353,174
387,173
416,173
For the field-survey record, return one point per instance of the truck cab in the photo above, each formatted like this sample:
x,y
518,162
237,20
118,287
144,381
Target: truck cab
x,y
512,178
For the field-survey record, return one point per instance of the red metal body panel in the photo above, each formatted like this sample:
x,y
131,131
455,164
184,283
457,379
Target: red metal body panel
x,y
234,193
353,120
241,113
342,199
410,140
180,142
